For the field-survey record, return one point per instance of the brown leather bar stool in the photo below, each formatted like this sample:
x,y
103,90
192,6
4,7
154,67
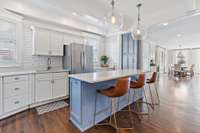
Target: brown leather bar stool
x,y
120,89
152,81
136,85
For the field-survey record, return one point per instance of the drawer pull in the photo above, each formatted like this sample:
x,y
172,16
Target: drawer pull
x,y
17,78
16,102
16,89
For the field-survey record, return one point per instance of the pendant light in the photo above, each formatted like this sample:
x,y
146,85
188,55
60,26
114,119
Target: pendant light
x,y
114,18
138,31
180,56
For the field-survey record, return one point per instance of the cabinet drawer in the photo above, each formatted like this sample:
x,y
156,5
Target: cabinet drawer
x,y
14,103
15,88
15,78
45,76
61,74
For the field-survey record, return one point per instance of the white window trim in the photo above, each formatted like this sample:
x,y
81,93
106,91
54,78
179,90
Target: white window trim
x,y
19,36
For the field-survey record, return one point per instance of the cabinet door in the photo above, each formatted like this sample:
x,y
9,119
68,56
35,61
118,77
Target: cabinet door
x,y
60,87
1,97
42,42
43,88
56,43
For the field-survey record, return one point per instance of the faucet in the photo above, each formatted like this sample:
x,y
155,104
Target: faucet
x,y
48,63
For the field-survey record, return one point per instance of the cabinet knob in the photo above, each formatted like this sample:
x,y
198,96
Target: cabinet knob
x,y
50,52
16,102
16,89
16,78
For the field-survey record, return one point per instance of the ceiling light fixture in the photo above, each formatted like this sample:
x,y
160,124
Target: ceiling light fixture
x,y
114,18
179,35
165,24
74,14
138,31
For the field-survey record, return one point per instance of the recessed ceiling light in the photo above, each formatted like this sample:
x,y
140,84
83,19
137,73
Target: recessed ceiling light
x,y
74,14
179,35
165,24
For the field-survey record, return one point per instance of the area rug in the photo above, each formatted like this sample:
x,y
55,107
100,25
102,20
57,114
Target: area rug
x,y
51,107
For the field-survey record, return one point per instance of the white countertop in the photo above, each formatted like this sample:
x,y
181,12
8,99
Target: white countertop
x,y
21,72
105,75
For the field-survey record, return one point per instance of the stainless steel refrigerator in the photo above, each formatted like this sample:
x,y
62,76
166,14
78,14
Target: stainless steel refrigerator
x,y
78,58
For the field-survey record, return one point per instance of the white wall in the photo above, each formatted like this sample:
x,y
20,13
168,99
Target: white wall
x,y
113,49
149,51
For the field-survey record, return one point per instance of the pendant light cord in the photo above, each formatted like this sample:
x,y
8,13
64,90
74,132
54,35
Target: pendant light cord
x,y
139,19
113,6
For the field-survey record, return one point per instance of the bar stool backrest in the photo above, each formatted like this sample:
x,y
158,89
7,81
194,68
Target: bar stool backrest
x,y
122,87
141,80
153,78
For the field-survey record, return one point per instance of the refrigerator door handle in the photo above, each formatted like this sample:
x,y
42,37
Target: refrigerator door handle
x,y
81,60
85,61
83,67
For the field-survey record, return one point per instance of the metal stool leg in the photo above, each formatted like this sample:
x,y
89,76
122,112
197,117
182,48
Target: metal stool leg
x,y
145,97
158,98
94,119
138,111
151,96
113,115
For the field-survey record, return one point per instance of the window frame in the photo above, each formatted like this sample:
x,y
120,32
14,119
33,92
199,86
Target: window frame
x,y
19,39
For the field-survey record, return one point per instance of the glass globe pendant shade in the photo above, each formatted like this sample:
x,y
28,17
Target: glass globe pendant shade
x,y
114,18
138,32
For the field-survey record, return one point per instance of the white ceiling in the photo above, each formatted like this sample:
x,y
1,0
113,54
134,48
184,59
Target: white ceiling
x,y
153,13
184,31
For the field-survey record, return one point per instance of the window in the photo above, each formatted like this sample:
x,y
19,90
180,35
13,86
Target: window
x,y
8,43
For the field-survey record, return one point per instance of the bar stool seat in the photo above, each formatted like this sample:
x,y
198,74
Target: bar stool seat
x,y
121,89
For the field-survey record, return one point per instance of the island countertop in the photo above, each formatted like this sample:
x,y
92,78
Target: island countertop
x,y
105,75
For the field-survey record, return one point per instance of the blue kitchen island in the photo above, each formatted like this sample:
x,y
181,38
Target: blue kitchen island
x,y
82,96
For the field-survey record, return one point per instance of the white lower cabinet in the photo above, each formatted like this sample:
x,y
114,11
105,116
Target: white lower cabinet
x,y
15,93
1,98
59,85
43,87
21,92
16,102
50,86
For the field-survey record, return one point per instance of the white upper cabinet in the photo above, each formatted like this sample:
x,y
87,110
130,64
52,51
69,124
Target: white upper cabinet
x,y
56,40
47,42
41,42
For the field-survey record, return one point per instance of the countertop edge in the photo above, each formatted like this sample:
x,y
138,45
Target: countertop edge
x,y
78,77
23,72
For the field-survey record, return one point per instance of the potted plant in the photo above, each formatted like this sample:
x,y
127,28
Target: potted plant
x,y
104,61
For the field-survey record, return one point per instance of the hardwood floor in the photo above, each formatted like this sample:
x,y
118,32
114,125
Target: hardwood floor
x,y
179,112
